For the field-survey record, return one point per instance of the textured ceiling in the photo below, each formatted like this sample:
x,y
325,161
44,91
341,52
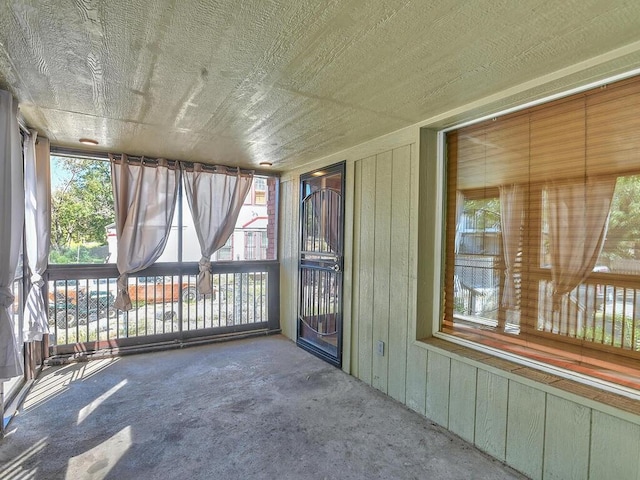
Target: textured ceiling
x,y
286,81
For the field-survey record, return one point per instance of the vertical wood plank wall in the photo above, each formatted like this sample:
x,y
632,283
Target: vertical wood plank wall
x,y
540,432
381,269
288,254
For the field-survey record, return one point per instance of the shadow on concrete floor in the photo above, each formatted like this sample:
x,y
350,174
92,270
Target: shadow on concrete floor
x,y
250,409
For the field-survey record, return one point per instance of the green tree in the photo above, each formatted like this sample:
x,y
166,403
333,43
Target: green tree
x,y
82,206
623,234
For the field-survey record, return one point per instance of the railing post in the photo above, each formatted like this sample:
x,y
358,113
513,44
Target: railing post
x,y
273,314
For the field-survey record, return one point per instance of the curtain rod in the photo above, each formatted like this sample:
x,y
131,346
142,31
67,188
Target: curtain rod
x,y
23,126
78,152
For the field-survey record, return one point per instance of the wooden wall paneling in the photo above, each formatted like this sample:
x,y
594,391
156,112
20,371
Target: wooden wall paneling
x,y
355,273
399,273
491,414
566,440
366,268
437,396
462,401
416,379
381,288
427,219
416,326
347,296
289,258
525,429
615,447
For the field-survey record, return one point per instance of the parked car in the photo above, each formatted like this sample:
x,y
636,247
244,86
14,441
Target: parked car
x,y
85,309
66,290
156,289
160,289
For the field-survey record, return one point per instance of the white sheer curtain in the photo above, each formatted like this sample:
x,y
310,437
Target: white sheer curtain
x,y
11,226
578,218
459,225
215,196
511,222
37,228
144,195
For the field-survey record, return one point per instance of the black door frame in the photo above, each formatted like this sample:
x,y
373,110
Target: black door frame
x,y
339,167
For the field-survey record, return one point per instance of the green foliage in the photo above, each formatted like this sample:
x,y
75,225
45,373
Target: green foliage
x,y
81,208
79,253
607,324
623,234
485,211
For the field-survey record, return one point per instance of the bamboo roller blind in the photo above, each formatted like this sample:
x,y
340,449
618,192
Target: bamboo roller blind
x,y
592,133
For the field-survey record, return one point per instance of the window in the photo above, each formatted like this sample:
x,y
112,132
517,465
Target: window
x,y
226,252
82,213
249,246
545,251
260,190
83,229
255,245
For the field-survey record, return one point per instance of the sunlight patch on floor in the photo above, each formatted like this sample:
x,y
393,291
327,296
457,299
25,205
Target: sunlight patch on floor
x,y
54,381
15,469
101,458
89,409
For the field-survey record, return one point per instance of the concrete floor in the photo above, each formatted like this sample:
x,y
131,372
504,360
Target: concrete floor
x,y
258,408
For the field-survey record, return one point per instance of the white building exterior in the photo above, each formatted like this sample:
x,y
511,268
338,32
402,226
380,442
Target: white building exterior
x,y
248,241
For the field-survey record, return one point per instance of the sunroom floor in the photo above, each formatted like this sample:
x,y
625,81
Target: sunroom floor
x,y
258,408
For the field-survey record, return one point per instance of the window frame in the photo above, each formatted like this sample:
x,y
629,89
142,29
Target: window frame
x,y
439,200
178,220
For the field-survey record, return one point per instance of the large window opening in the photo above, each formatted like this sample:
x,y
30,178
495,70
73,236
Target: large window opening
x,y
81,211
83,220
543,229
82,270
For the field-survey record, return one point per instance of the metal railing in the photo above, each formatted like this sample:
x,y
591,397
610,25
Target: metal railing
x,y
604,310
476,286
166,304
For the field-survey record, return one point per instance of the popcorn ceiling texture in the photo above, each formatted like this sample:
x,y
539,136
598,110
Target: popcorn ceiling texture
x,y
285,81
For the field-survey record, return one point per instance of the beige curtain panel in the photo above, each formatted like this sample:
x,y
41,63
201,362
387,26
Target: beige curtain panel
x,y
37,232
578,219
511,222
11,225
144,196
215,196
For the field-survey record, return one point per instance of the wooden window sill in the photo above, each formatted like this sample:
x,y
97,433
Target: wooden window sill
x,y
601,369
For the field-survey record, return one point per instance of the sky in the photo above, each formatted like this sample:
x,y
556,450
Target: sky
x,y
58,175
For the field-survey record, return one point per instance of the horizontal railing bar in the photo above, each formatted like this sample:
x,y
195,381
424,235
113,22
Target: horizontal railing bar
x,y
109,270
600,278
82,316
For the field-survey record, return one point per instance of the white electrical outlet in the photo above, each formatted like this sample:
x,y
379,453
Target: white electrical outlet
x,y
381,348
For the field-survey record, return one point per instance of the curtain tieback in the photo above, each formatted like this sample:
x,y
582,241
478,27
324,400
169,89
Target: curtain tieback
x,y
123,283
556,297
204,264
37,281
6,297
123,301
204,277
